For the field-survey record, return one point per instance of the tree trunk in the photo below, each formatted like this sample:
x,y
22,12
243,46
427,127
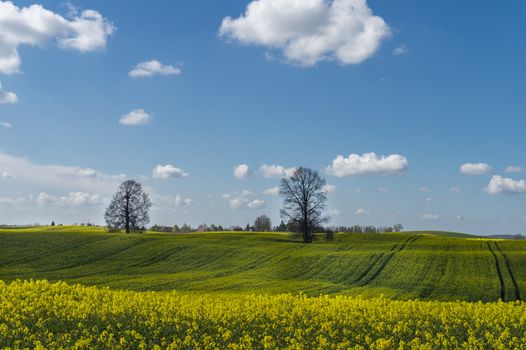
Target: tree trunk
x,y
306,236
127,215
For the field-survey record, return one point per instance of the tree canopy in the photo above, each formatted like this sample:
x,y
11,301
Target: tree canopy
x,y
304,198
129,208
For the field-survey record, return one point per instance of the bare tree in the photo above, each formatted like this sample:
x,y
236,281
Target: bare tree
x,y
128,209
263,224
304,198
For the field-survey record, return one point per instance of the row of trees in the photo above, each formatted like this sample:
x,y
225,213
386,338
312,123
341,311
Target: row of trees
x,y
304,202
261,224
264,224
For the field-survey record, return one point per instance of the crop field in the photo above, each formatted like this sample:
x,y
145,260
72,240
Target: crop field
x,y
43,315
84,288
428,266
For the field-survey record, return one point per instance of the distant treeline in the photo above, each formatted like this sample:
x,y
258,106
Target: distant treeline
x,y
263,224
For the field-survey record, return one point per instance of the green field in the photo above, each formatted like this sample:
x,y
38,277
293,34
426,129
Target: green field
x,y
430,265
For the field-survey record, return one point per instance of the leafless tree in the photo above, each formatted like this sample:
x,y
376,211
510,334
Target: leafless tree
x,y
263,224
128,209
304,198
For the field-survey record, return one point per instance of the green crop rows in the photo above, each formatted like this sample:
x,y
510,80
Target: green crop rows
x,y
400,266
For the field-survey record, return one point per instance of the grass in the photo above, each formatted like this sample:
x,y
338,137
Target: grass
x,y
425,265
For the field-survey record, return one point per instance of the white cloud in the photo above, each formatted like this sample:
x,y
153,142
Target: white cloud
x,y
362,212
430,217
243,200
272,191
166,171
309,31
73,199
136,117
333,212
423,189
329,188
151,68
80,198
242,171
6,175
36,26
430,200
515,169
6,96
6,125
57,177
44,198
256,203
179,201
69,193
475,169
367,164
275,171
401,50
501,185
87,172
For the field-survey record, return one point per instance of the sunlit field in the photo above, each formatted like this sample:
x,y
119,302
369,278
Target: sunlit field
x,y
399,266
40,314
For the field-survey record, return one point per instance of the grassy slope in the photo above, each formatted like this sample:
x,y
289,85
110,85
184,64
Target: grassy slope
x,y
403,266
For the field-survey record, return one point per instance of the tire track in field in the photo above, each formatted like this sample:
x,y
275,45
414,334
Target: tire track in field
x,y
54,250
375,260
441,267
508,267
159,257
499,273
98,258
389,255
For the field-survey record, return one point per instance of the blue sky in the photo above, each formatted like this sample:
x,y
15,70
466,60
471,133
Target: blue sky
x,y
426,86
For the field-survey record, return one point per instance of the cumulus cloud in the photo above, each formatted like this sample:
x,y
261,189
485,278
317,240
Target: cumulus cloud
x,y
309,31
367,164
244,200
6,125
515,169
71,200
179,201
80,198
382,189
58,177
329,188
151,68
36,26
167,171
475,169
272,191
430,217
401,50
275,171
73,205
362,212
502,185
242,171
6,96
333,212
136,117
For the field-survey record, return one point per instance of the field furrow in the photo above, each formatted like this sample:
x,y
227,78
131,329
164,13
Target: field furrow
x,y
510,271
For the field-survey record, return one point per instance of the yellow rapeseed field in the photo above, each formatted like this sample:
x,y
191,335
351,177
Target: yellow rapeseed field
x,y
39,314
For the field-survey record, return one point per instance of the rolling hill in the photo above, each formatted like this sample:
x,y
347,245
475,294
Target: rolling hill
x,y
433,266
